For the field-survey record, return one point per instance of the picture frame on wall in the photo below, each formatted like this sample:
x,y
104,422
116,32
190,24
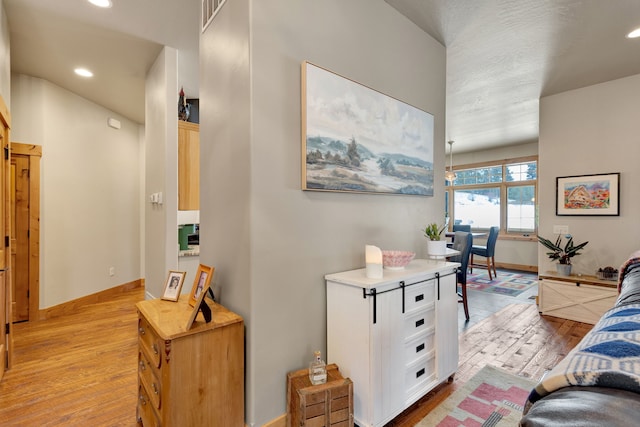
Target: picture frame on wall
x,y
173,286
356,139
588,195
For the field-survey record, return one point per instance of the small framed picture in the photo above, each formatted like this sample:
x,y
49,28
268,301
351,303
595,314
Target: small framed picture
x,y
174,285
200,284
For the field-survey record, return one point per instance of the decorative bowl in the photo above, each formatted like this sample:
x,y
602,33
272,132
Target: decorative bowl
x,y
396,260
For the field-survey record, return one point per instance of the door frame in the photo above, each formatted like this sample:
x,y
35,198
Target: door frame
x,y
34,152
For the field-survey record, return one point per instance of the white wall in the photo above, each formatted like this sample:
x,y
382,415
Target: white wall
x,y
270,242
590,131
5,58
161,172
90,193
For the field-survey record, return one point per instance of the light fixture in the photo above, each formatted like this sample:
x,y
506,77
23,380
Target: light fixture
x,y
101,3
83,72
634,34
450,175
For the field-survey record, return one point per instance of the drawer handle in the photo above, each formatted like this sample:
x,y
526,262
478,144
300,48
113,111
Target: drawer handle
x,y
420,373
420,348
141,330
155,348
143,400
419,297
419,323
154,387
142,367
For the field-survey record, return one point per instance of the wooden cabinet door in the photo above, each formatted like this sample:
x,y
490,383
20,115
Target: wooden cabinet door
x,y
188,166
5,283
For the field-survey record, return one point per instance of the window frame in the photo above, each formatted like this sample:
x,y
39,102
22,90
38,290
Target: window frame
x,y
503,186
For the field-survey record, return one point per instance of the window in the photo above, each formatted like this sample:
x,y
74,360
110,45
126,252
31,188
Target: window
x,y
498,193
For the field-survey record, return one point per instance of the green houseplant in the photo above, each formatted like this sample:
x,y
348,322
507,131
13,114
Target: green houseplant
x,y
562,253
433,231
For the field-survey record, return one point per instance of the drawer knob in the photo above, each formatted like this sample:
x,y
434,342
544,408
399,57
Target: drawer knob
x,y
141,330
142,367
419,323
154,387
419,297
420,348
143,400
420,373
155,348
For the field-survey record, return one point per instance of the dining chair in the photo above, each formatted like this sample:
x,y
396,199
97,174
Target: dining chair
x,y
463,243
487,252
459,227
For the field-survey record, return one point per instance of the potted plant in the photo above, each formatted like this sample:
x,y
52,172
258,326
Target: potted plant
x,y
433,231
562,254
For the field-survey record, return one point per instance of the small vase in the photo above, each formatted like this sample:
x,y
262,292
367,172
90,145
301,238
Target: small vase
x,y
436,247
563,269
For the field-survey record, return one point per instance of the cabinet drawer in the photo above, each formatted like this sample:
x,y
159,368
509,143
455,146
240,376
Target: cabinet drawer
x,y
148,375
419,322
420,296
146,413
420,373
150,341
419,346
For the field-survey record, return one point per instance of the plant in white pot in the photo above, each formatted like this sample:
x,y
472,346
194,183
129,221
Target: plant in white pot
x,y
562,254
433,231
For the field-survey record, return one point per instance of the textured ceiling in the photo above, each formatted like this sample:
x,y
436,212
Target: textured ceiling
x,y
503,55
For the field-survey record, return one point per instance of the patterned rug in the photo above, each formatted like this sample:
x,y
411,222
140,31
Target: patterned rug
x,y
492,398
507,283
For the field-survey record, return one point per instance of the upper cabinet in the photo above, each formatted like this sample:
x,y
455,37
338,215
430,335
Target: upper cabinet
x,y
188,166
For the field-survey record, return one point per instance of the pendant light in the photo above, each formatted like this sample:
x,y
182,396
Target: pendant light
x,y
450,175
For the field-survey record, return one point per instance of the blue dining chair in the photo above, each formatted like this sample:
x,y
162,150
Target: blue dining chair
x,y
459,227
463,243
487,252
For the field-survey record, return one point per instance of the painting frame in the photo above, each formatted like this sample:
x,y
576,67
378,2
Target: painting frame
x,y
173,285
201,283
588,195
356,139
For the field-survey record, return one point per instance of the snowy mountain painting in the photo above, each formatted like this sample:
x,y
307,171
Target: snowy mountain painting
x,y
359,140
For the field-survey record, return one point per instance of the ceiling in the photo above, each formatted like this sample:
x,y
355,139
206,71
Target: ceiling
x,y
502,55
48,39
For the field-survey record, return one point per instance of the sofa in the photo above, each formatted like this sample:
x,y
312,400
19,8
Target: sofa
x,y
598,383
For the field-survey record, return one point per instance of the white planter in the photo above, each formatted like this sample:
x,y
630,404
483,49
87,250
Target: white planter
x,y
436,247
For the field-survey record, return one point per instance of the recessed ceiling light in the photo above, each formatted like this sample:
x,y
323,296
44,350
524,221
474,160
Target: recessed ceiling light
x,y
83,72
634,34
101,3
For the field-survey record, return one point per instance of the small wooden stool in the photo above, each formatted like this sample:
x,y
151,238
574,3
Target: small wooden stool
x,y
329,404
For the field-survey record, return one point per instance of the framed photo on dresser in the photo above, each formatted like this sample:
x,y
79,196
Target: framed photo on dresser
x,y
173,286
201,284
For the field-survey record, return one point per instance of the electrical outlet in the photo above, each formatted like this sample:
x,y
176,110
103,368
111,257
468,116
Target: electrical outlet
x,y
112,271
560,229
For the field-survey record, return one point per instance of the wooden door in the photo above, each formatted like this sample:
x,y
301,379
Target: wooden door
x,y
6,345
24,195
19,194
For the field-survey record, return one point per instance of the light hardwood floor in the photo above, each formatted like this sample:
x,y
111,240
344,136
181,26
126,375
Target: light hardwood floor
x,y
80,369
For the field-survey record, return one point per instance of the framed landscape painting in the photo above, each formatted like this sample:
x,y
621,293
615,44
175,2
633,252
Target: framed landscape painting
x,y
356,139
588,195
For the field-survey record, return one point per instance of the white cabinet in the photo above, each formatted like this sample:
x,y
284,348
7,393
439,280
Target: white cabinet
x,y
396,338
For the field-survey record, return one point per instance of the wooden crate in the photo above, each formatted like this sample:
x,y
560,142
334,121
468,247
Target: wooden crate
x,y
322,405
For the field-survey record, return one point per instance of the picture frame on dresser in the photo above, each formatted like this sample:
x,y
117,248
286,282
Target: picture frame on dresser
x,y
199,289
173,286
588,195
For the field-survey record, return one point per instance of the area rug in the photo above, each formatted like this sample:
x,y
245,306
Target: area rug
x,y
507,283
492,398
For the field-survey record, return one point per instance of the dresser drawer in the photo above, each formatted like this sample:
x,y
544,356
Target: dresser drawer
x,y
420,373
418,297
146,413
417,347
150,342
149,375
419,322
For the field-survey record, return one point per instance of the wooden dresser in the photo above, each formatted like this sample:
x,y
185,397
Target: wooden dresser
x,y
189,377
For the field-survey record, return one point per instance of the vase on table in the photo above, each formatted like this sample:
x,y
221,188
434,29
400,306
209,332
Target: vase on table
x,y
563,269
436,247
